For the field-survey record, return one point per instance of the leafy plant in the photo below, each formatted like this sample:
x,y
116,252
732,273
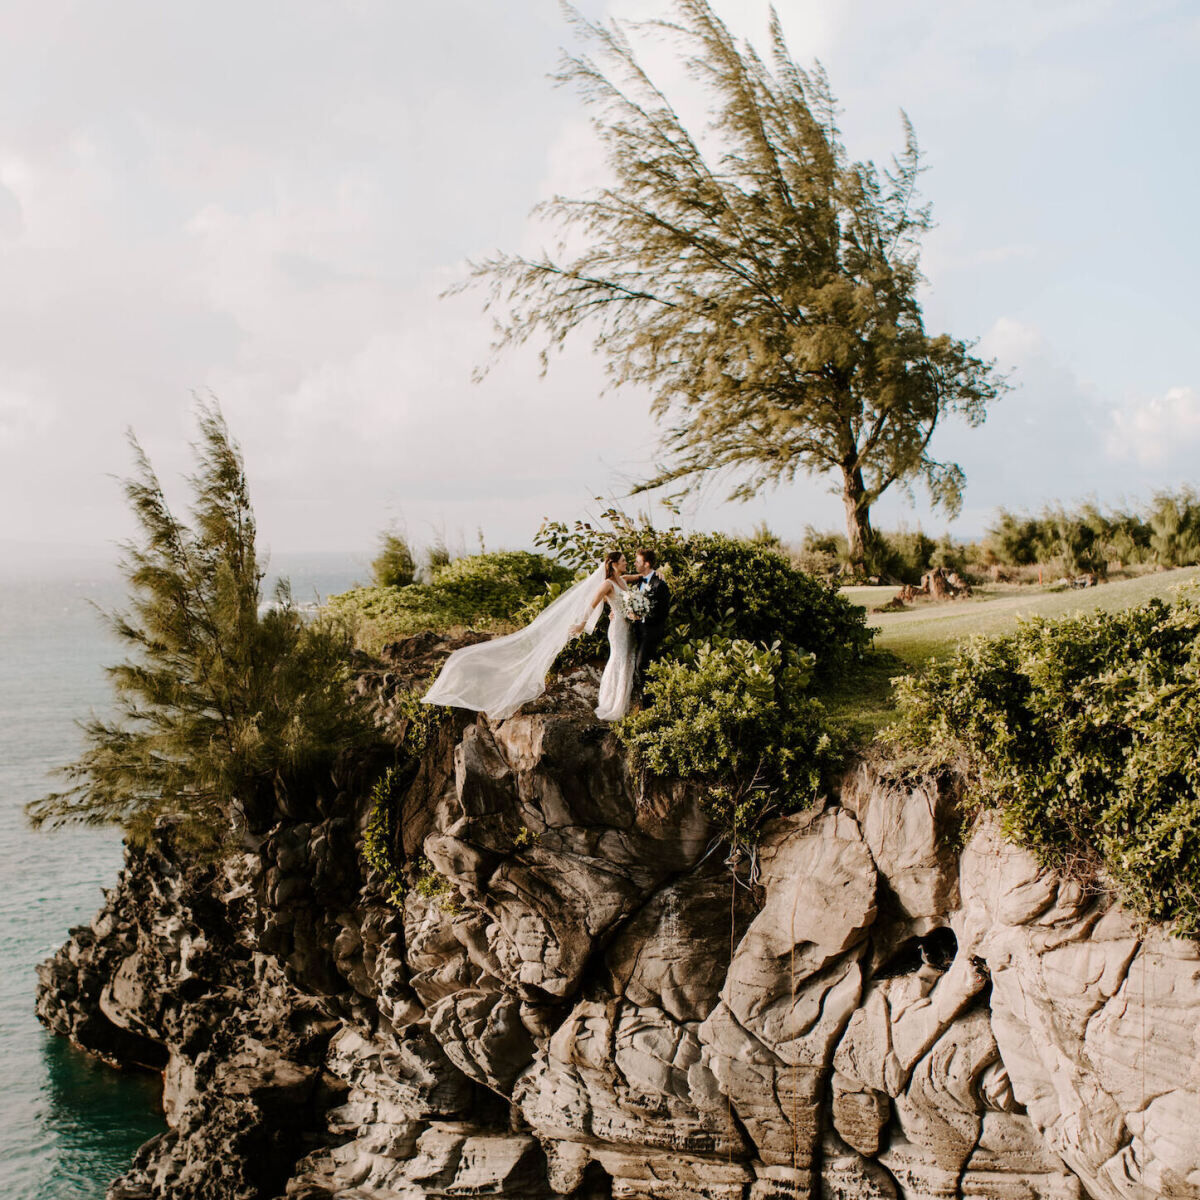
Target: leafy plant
x,y
738,718
1082,733
223,703
394,566
478,590
434,886
726,587
380,837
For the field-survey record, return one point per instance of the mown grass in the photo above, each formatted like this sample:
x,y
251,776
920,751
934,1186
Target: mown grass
x,y
863,703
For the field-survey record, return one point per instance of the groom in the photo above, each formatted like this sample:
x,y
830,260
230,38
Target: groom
x,y
652,628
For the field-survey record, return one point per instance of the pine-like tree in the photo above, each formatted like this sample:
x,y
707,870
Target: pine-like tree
x,y
761,283
223,701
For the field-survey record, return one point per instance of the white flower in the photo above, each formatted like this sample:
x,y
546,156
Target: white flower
x,y
636,604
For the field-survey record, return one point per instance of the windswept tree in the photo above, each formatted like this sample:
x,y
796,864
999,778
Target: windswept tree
x,y
759,282
223,701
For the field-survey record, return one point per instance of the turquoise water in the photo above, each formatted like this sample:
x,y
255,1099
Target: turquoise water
x,y
68,1125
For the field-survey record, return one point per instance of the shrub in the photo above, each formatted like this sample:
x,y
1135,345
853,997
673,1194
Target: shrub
x,y
723,586
481,590
394,566
738,718
728,587
904,556
1083,734
900,555
1166,532
224,702
1174,523
1014,541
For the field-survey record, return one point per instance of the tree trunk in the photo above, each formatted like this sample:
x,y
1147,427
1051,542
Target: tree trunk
x,y
859,536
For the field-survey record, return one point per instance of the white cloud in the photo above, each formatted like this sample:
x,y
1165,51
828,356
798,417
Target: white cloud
x,y
211,198
1158,431
23,413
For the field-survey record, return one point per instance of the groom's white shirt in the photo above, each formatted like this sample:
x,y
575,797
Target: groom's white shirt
x,y
649,575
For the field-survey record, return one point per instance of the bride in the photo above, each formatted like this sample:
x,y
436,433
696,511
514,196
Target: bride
x,y
498,676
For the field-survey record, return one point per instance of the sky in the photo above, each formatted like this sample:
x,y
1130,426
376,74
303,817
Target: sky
x,y
263,203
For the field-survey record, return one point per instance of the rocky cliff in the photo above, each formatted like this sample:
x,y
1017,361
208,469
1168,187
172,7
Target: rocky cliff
x,y
595,1003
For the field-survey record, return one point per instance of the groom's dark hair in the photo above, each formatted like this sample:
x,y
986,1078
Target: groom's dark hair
x,y
649,557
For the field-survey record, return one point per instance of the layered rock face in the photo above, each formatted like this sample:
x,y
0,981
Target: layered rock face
x,y
587,1000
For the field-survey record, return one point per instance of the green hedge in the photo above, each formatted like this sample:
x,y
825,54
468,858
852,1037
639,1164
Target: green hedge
x,y
477,590
738,718
1083,733
726,587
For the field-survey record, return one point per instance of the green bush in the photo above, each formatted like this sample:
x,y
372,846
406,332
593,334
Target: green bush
x,y
394,566
1174,522
738,718
724,586
900,555
480,590
1083,734
1013,540
1165,532
729,587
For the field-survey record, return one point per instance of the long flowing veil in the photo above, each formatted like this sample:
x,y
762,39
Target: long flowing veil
x,y
497,677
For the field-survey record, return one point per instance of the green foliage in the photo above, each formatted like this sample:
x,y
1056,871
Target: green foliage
x,y
1165,532
435,887
394,566
438,555
729,587
1174,522
381,835
478,590
738,718
1013,540
760,283
1083,733
222,703
583,545
901,555
381,839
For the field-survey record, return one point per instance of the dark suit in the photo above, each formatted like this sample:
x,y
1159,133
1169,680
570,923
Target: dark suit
x,y
652,628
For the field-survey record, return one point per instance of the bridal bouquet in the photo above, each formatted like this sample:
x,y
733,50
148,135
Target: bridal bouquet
x,y
637,605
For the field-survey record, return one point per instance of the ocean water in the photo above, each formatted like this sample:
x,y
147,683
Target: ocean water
x,y
68,1124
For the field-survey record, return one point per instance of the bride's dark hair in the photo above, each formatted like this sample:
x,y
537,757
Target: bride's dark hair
x,y
613,557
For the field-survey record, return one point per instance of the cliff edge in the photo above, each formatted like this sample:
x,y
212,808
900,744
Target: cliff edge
x,y
577,995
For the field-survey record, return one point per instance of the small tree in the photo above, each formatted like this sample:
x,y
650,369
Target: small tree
x,y
223,700
394,566
764,285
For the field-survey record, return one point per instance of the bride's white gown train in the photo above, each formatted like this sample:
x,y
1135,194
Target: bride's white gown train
x,y
616,684
498,676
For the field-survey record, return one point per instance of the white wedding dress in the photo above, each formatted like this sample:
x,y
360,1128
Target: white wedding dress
x,y
616,684
498,676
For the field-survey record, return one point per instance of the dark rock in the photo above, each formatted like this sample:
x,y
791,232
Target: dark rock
x,y
581,1001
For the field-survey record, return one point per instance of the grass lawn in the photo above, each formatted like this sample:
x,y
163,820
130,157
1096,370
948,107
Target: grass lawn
x,y
904,641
